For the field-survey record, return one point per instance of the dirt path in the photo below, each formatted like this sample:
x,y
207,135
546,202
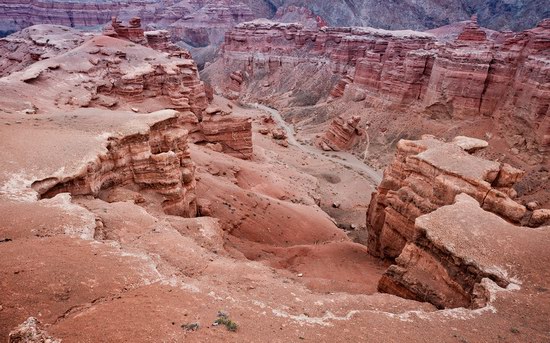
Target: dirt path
x,y
343,158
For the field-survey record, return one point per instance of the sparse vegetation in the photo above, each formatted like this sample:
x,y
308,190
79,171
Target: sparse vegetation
x,y
190,326
223,319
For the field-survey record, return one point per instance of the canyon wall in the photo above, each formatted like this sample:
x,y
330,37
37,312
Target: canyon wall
x,y
502,75
286,57
428,174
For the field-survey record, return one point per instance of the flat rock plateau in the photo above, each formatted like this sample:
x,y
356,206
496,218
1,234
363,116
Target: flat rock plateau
x,y
194,172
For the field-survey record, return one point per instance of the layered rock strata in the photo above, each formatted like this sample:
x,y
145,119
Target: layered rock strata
x,y
155,159
110,73
453,262
132,32
20,14
428,174
341,134
465,78
472,32
16,14
233,133
340,44
446,217
115,68
472,75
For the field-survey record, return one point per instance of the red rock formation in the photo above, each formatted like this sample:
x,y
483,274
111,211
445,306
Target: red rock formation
x,y
341,134
342,45
159,39
133,32
472,32
393,65
452,261
438,212
470,77
428,174
114,71
36,43
502,75
174,78
233,133
19,14
155,160
346,51
340,87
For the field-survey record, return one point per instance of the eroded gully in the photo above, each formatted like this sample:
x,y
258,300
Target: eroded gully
x,y
343,158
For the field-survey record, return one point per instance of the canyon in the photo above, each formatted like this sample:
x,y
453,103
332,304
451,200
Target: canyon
x,y
486,84
334,184
200,25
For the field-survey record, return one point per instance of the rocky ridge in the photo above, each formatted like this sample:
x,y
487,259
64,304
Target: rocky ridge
x,y
110,77
154,160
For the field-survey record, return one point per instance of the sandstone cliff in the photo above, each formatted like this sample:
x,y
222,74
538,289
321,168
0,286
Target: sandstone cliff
x,y
428,174
438,212
400,83
466,77
460,254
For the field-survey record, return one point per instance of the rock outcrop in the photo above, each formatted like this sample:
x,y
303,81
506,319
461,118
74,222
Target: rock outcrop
x,y
453,261
155,159
36,43
114,68
472,32
132,32
341,134
31,332
233,133
428,174
107,72
446,216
